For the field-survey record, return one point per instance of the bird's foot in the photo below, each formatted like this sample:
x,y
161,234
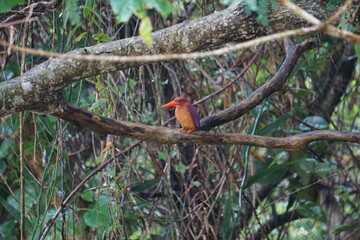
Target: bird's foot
x,y
191,130
181,129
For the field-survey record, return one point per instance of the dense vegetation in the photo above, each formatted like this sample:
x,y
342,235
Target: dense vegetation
x,y
152,190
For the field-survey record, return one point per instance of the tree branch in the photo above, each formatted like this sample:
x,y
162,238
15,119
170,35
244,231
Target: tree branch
x,y
104,126
323,26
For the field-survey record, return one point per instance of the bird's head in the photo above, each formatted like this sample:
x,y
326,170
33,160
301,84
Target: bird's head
x,y
177,102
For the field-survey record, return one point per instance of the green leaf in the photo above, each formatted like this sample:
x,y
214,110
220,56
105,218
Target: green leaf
x,y
162,155
7,229
101,37
6,5
124,9
2,166
227,230
357,50
274,125
314,121
97,14
98,103
196,183
88,4
136,235
100,159
145,186
345,23
333,3
181,168
71,34
251,5
10,71
263,20
344,228
145,30
132,83
260,7
29,197
13,211
98,216
87,196
262,12
71,12
9,208
162,6
303,167
310,210
29,147
231,3
270,174
80,36
4,147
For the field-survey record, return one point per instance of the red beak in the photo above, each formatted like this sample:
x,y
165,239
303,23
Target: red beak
x,y
171,104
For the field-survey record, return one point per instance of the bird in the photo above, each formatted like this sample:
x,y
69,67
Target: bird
x,y
185,113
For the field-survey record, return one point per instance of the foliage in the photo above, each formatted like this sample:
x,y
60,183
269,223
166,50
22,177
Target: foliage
x,y
6,5
258,7
125,9
219,191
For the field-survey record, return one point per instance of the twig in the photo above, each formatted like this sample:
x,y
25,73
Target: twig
x,y
165,57
340,11
38,6
321,26
21,120
248,65
5,25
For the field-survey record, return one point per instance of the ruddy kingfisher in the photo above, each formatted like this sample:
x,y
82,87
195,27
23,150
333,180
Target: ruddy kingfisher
x,y
185,113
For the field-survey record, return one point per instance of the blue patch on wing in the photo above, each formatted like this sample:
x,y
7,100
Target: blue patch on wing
x,y
195,116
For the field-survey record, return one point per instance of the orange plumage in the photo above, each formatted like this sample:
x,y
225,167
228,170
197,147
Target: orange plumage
x,y
185,113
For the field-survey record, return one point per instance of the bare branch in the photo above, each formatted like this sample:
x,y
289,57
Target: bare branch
x,y
339,12
38,6
104,126
322,26
161,57
5,25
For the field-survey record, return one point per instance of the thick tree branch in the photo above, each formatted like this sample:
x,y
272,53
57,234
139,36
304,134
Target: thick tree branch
x,y
104,126
26,93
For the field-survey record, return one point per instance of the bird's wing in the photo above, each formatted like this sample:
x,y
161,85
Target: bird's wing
x,y
195,116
